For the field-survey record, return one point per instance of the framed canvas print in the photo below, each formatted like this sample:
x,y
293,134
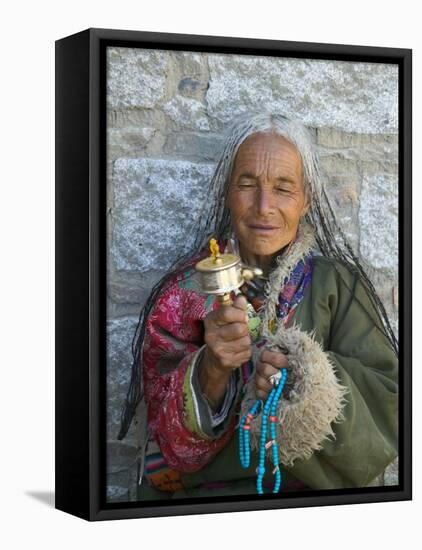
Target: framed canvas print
x,y
233,276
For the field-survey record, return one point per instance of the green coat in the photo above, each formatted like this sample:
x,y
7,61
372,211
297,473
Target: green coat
x,y
335,306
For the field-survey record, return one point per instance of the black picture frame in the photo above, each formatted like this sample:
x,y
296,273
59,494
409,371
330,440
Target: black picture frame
x,y
81,271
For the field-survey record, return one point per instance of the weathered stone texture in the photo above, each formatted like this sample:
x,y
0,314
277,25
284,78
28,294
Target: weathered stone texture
x,y
187,113
130,141
343,185
378,220
199,147
119,361
121,463
136,77
167,117
355,97
156,204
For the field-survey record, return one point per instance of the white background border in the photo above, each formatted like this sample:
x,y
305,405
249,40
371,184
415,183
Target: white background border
x,y
29,30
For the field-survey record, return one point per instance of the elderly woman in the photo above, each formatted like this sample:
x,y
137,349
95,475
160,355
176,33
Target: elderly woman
x,y
314,312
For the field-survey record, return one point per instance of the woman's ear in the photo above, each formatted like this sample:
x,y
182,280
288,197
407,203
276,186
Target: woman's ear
x,y
306,204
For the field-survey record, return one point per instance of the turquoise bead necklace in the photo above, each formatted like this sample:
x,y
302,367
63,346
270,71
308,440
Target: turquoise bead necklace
x,y
269,410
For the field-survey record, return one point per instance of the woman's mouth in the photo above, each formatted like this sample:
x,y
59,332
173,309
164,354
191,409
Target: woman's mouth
x,y
263,228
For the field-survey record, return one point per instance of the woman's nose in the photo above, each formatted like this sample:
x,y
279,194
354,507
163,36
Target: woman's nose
x,y
264,201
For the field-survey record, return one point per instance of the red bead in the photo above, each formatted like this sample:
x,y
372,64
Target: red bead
x,y
273,419
256,303
246,427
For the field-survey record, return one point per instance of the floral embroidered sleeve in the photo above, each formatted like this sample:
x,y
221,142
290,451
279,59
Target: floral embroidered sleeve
x,y
173,342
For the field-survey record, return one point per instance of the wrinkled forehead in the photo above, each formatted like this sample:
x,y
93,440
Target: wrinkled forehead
x,y
267,147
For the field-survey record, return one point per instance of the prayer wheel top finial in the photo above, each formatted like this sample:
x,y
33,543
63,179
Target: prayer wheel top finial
x,y
215,251
214,248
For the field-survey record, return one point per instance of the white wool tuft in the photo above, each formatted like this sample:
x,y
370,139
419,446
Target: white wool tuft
x,y
314,400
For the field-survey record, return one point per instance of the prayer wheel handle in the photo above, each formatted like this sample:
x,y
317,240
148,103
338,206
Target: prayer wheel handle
x,y
224,299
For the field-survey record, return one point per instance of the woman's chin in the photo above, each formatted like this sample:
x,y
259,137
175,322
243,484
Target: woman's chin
x,y
264,249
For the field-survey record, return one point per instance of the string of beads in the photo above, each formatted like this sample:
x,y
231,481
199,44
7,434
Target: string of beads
x,y
269,410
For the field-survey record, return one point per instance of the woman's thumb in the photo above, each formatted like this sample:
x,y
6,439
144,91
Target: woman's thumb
x,y
240,303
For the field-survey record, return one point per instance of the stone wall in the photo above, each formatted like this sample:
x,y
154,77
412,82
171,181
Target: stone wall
x,y
167,116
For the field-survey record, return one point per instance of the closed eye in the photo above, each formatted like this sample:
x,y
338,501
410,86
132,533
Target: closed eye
x,y
248,184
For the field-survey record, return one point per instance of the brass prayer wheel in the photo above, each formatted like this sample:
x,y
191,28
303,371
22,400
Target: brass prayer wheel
x,y
220,274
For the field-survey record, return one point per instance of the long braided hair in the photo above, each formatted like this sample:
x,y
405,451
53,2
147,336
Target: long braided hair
x,y
214,221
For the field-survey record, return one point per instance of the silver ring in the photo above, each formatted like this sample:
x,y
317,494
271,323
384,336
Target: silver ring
x,y
274,378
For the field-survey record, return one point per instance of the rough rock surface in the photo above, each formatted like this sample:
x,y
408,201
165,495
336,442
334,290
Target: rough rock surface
x,y
355,97
156,203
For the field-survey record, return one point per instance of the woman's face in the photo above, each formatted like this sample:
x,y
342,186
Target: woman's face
x,y
266,195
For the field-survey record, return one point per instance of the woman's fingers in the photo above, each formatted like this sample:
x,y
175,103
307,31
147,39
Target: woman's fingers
x,y
240,302
263,384
223,349
227,335
274,358
235,313
233,331
266,370
268,365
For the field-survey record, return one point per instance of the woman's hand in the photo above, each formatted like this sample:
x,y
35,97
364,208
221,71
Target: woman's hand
x,y
269,363
228,346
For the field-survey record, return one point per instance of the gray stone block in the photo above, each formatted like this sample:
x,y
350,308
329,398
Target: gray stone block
x,y
122,310
192,64
120,333
378,220
157,204
120,456
343,192
129,141
136,77
371,159
189,86
117,493
335,162
136,118
357,97
187,113
122,465
121,486
129,288
194,146
337,139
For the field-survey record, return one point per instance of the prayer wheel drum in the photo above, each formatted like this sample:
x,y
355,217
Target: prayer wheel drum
x,y
220,274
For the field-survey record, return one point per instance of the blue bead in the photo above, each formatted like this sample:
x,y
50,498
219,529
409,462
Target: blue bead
x,y
268,408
